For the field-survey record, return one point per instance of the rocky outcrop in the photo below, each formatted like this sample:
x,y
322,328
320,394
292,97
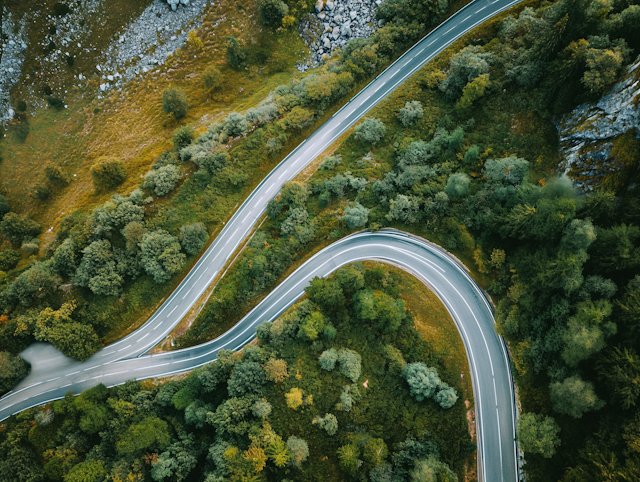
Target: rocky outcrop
x,y
148,41
588,133
333,24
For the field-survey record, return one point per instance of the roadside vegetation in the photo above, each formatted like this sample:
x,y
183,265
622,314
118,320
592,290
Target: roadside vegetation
x,y
465,154
331,391
103,269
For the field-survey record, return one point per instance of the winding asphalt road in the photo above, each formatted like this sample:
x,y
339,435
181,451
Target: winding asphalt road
x,y
492,385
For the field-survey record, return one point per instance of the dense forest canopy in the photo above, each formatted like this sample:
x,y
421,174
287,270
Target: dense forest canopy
x,y
467,158
325,395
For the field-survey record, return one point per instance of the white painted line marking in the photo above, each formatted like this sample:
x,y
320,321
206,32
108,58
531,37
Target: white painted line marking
x,y
69,374
432,42
171,312
467,18
110,353
152,366
144,337
453,28
67,385
478,11
124,348
56,378
90,368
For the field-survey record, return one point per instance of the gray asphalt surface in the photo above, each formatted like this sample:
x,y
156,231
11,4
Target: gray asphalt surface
x,y
117,362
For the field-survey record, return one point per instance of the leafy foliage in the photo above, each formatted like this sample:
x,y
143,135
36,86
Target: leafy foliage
x,y
174,101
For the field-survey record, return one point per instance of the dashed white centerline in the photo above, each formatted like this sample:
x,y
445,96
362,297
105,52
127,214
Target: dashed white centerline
x,y
67,385
144,337
478,11
186,294
453,28
110,353
128,346
69,374
171,312
90,368
467,18
432,42
53,379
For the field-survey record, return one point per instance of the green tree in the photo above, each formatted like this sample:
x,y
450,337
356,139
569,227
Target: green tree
x,y
272,12
350,364
98,269
348,456
405,209
150,433
261,409
295,398
465,67
578,235
72,338
12,370
423,381
509,170
235,125
327,294
471,156
15,227
177,462
619,369
378,308
193,237
356,216
174,101
236,54
108,172
431,469
9,258
298,118
160,255
603,66
371,130
472,92
212,77
586,331
375,452
183,136
162,180
276,370
538,434
247,378
446,396
329,423
574,397
4,206
38,281
87,471
299,450
410,113
457,185
328,359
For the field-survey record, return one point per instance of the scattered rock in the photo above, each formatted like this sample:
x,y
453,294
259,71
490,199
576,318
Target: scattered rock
x,y
333,25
